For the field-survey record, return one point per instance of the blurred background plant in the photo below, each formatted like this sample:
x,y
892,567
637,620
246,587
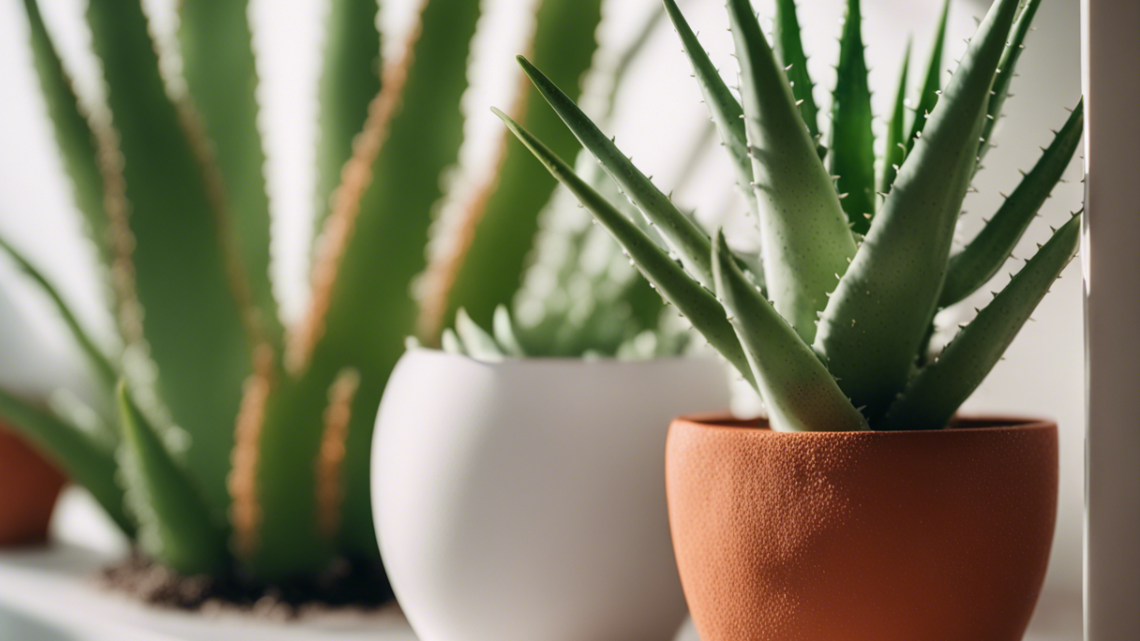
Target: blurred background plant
x,y
220,439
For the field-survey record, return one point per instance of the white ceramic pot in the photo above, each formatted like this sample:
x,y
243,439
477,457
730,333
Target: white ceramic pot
x,y
525,500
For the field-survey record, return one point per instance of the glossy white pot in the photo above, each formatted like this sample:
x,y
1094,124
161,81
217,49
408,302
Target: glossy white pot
x,y
525,500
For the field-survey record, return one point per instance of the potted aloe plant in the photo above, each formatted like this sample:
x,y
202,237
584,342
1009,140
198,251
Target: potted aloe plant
x,y
516,471
861,508
232,451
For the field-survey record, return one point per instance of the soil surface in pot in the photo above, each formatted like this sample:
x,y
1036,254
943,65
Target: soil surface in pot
x,y
348,585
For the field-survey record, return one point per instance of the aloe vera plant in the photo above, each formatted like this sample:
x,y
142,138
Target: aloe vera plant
x,y
836,339
225,442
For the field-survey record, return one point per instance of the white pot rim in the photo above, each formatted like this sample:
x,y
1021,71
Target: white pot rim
x,y
522,362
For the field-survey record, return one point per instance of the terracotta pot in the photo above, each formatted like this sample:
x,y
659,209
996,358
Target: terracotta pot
x,y
29,487
892,536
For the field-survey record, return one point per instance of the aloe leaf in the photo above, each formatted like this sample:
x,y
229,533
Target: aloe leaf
x,y
358,319
83,459
678,287
806,240
73,132
478,342
1006,74
626,58
852,141
218,65
977,263
726,111
350,79
175,526
193,321
98,360
502,233
679,231
504,329
894,151
937,391
450,343
877,317
800,394
928,95
790,52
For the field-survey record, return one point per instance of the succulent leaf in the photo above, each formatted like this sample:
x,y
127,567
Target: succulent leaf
x,y
981,259
504,331
928,96
175,526
796,387
852,140
73,132
679,231
84,460
195,319
806,239
679,288
98,360
877,317
477,342
218,65
726,111
1005,77
350,79
894,151
500,226
937,391
790,52
379,225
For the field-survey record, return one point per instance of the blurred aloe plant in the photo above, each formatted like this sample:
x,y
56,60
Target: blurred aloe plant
x,y
837,337
225,441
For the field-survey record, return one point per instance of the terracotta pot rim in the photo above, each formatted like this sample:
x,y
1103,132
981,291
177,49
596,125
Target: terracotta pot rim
x,y
968,423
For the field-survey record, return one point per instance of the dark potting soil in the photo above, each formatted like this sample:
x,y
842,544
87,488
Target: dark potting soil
x,y
346,584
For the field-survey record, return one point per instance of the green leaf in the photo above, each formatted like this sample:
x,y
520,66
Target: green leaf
x,y
936,393
928,97
977,263
218,65
627,56
790,52
894,151
688,296
479,343
806,240
73,132
193,322
350,79
504,329
87,462
679,230
876,319
1005,76
491,272
450,343
363,305
100,363
800,394
726,111
852,141
176,527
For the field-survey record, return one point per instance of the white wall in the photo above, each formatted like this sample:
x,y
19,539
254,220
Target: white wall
x,y
1042,376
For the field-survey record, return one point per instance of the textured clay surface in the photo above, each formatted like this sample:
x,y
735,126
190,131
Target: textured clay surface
x,y
29,487
852,536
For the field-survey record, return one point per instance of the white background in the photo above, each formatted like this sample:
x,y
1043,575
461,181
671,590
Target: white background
x,y
1043,373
